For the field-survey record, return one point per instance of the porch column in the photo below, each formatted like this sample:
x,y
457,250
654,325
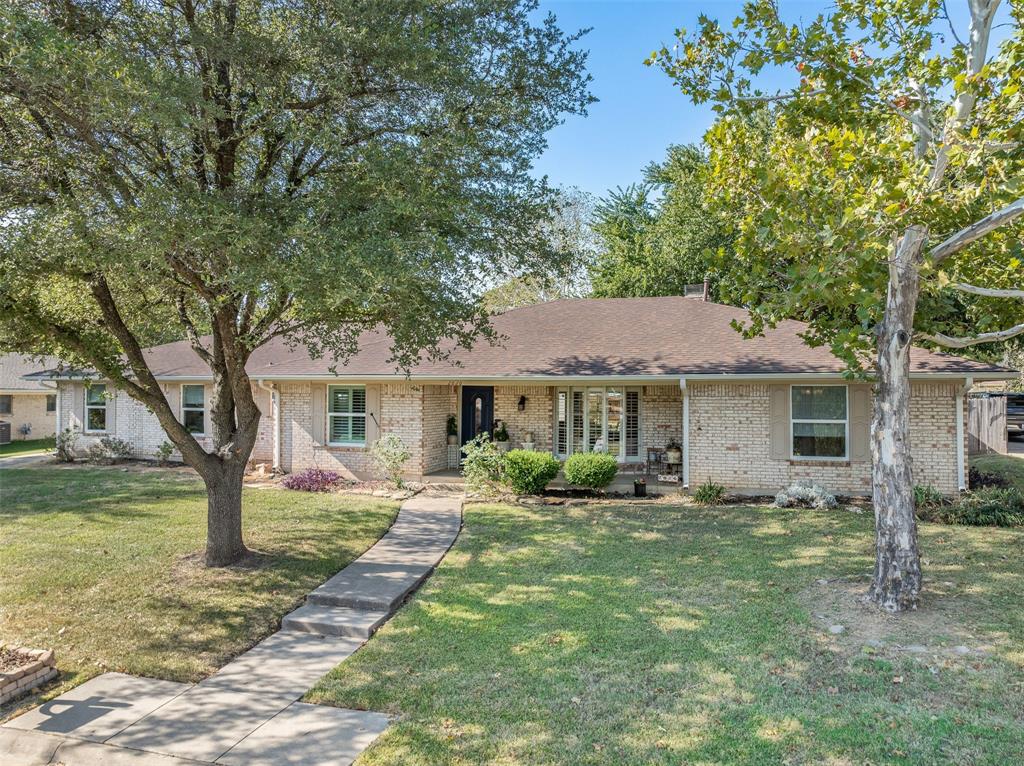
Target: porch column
x,y
685,441
961,478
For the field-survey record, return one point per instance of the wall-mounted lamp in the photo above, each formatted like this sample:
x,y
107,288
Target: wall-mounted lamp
x,y
522,403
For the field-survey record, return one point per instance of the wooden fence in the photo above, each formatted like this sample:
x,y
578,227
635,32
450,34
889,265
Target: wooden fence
x,y
986,424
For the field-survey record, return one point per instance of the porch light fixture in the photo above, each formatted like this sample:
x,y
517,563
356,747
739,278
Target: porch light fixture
x,y
522,403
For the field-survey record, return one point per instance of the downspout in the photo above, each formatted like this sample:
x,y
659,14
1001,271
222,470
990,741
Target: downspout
x,y
961,478
275,418
56,391
686,432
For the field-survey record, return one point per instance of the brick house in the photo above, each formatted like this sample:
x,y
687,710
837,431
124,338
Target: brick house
x,y
628,375
27,405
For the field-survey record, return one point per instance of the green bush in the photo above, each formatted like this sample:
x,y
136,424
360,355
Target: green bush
x,y
526,472
482,464
988,507
709,493
593,470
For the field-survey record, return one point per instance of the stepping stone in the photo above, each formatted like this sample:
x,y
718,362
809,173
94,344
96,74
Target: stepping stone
x,y
287,662
101,707
308,734
370,585
335,620
203,723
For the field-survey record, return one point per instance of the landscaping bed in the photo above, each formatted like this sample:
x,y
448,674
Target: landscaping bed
x,y
22,670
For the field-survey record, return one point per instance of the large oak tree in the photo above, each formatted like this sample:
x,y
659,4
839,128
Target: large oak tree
x,y
237,170
892,182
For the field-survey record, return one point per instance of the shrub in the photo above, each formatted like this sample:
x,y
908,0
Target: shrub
x,y
482,464
709,493
452,426
312,480
979,479
108,450
65,445
500,431
988,507
163,452
804,494
926,497
390,454
527,473
594,470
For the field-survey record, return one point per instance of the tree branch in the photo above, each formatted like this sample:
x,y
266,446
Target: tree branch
x,y
974,340
988,292
977,230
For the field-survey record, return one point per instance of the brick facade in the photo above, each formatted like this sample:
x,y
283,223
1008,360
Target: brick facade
x,y
728,440
29,410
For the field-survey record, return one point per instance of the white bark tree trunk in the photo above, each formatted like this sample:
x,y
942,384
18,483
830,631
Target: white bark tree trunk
x,y
897,578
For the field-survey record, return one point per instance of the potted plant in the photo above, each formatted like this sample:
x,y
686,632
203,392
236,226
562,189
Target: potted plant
x,y
501,435
453,430
673,452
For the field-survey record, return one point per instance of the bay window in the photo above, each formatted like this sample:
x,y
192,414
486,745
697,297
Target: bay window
x,y
598,418
819,422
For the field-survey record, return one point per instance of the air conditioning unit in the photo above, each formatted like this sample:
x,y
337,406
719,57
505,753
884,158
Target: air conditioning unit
x,y
5,433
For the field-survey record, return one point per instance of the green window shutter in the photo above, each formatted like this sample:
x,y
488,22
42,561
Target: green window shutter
x,y
778,422
860,423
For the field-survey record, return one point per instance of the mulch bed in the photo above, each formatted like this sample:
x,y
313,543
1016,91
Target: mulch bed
x,y
11,659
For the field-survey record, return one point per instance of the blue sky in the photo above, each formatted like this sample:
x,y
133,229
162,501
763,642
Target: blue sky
x,y
640,112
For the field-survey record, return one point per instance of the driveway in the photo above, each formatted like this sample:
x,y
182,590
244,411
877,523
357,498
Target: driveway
x,y
1015,445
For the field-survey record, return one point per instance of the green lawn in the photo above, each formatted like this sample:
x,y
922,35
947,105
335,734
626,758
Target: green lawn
x,y
26,447
101,566
1009,466
676,635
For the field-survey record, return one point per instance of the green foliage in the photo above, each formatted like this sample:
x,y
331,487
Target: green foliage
x,y
526,472
163,452
709,493
452,426
65,445
481,464
987,507
818,202
593,470
926,497
390,455
108,450
659,236
500,431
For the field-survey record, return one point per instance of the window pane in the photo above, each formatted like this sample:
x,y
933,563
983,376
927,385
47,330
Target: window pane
x,y
339,400
562,430
51,402
358,429
819,403
577,422
632,423
192,396
614,422
94,394
595,419
819,440
5,404
96,419
358,400
341,428
193,421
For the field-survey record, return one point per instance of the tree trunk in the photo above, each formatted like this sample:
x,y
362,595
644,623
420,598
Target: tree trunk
x,y
224,543
897,577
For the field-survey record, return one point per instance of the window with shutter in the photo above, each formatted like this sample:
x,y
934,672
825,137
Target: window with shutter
x,y
346,416
820,422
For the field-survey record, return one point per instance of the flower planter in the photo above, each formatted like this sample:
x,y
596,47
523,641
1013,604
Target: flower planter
x,y
31,668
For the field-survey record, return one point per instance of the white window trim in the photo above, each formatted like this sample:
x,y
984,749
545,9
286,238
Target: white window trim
x,y
846,436
182,409
329,415
586,390
106,415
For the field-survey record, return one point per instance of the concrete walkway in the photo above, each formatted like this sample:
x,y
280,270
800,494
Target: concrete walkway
x,y
247,713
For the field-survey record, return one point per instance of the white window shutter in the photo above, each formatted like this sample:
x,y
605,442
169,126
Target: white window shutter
x,y
318,413
778,422
373,417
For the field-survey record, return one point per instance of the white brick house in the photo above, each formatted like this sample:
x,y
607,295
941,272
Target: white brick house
x,y
627,375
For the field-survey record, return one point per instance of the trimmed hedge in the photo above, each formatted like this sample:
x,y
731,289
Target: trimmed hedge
x,y
526,472
593,470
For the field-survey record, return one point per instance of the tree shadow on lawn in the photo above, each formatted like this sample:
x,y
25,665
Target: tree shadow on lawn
x,y
647,634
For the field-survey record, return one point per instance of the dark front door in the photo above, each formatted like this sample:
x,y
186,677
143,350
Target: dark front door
x,y
477,411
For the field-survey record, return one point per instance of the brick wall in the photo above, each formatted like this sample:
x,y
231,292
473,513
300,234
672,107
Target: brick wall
x,y
438,403
30,410
538,416
661,417
729,442
132,421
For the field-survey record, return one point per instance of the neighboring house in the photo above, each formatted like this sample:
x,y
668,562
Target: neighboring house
x,y
28,406
630,373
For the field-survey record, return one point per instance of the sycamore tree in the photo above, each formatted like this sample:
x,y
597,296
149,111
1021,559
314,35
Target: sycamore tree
x,y
891,183
240,170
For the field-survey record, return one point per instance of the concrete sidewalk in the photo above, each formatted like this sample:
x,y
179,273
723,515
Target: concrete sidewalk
x,y
247,713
